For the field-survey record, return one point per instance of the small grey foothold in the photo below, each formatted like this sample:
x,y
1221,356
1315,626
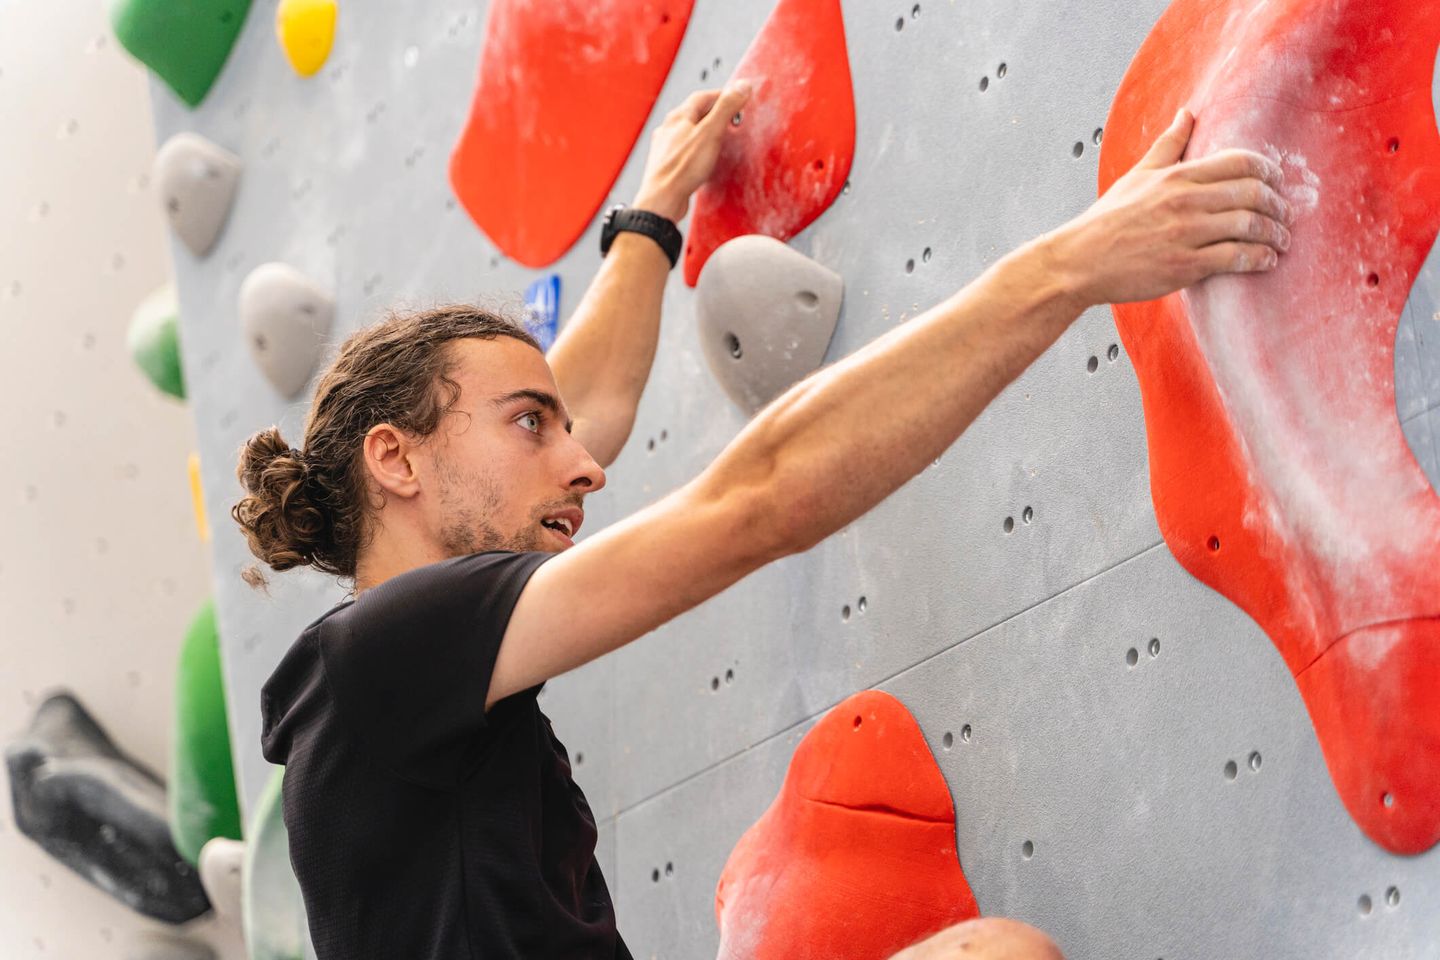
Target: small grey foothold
x,y
286,317
163,946
766,314
197,181
221,874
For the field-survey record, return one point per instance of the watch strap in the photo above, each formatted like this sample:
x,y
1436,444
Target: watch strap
x,y
660,229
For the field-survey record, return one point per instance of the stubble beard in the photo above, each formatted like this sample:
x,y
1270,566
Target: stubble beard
x,y
466,528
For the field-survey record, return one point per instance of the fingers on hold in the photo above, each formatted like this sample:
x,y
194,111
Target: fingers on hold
x,y
1170,145
1238,195
729,103
1233,164
1237,257
698,104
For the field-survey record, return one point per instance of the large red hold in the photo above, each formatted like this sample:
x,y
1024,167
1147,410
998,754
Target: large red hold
x,y
791,153
565,88
1278,469
855,859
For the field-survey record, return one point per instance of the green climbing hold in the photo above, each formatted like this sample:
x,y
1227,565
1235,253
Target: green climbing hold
x,y
203,804
154,341
185,42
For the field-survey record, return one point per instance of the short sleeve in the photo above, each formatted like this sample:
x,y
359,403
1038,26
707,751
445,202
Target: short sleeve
x,y
409,663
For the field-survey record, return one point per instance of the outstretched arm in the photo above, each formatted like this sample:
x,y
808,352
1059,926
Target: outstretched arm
x,y
602,359
843,439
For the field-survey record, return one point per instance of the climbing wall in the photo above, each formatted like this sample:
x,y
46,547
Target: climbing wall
x,y
1132,767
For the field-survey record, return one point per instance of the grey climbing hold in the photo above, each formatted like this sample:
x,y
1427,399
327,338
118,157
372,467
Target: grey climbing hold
x,y
766,314
196,182
222,874
286,317
99,812
160,946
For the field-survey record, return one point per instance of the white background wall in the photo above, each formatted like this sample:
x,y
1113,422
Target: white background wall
x,y
101,568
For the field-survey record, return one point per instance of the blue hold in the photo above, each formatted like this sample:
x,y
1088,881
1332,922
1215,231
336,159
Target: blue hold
x,y
542,309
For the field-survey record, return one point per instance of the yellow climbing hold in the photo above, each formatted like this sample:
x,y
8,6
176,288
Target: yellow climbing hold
x,y
306,29
201,524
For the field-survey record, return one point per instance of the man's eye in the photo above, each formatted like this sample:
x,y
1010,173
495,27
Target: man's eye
x,y
530,418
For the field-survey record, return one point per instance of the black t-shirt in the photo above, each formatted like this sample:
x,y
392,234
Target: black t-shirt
x,y
421,827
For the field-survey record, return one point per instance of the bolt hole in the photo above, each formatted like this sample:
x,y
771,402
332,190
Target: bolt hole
x,y
1232,770
1078,150
714,683
1392,896
915,12
857,721
579,759
704,74
1009,524
910,266
1097,136
845,613
899,24
1132,656
819,164
1214,544
1154,646
664,435
1092,364
925,255
655,875
965,733
1028,515
1001,70
1365,905
862,605
1387,799
735,120
669,869
729,676
948,740
1113,353
1373,280
808,299
651,445
1394,145
732,343
1255,761
984,84
1027,849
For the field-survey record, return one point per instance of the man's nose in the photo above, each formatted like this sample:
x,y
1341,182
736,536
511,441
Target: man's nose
x,y
588,475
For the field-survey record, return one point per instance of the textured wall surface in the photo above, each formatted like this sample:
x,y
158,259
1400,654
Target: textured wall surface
x,y
977,129
101,569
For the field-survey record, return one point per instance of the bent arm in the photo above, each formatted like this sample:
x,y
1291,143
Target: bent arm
x,y
603,357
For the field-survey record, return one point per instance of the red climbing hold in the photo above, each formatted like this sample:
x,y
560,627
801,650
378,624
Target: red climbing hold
x,y
790,155
565,88
856,857
1278,469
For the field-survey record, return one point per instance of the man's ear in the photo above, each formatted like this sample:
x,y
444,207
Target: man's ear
x,y
390,460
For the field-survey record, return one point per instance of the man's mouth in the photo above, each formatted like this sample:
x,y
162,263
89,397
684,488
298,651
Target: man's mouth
x,y
564,524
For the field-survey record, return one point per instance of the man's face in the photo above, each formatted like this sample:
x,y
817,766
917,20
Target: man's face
x,y
510,475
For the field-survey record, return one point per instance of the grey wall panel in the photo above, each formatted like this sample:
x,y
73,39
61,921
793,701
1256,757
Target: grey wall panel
x,y
1115,774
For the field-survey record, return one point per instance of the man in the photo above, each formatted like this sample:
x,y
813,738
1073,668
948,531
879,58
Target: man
x,y
431,810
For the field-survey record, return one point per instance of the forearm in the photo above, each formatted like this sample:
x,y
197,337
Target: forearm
x,y
842,440
603,358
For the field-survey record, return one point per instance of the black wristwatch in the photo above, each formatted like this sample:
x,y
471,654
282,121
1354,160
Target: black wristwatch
x,y
652,225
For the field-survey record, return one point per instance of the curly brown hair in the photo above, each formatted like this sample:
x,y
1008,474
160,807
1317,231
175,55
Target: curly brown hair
x,y
308,507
